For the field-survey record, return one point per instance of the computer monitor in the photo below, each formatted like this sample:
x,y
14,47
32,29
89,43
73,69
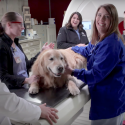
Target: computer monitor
x,y
88,26
23,32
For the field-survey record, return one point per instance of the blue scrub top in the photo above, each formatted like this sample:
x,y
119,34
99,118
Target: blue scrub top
x,y
105,76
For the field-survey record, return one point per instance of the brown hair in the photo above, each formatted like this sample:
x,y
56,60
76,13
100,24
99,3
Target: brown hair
x,y
8,17
80,26
113,28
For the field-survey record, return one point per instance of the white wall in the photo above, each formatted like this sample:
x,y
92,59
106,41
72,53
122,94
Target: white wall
x,y
88,9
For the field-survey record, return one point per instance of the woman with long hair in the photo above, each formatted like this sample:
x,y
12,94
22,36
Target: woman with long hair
x,y
72,33
105,74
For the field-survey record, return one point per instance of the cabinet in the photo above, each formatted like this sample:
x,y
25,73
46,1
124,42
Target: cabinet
x,y
27,17
30,47
47,33
41,32
51,34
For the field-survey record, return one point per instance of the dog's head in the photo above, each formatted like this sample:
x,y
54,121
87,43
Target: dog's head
x,y
52,63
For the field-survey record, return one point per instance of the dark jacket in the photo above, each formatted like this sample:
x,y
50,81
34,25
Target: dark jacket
x,y
67,37
6,63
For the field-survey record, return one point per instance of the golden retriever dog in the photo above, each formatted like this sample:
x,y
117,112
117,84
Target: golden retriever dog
x,y
51,64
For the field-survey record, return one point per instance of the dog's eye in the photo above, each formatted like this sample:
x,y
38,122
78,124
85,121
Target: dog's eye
x,y
61,58
51,59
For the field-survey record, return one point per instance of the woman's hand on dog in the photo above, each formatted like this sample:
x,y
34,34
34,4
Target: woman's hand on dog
x,y
47,46
48,113
32,79
83,45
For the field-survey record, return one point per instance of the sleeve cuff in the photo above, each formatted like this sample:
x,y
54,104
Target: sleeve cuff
x,y
39,113
75,72
75,48
72,74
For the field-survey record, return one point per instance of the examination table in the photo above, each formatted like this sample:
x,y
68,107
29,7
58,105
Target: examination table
x,y
69,107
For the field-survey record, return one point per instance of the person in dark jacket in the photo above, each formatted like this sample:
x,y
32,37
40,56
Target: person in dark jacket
x,y
14,65
72,33
105,74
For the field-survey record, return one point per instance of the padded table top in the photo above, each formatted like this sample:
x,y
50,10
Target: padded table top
x,y
51,96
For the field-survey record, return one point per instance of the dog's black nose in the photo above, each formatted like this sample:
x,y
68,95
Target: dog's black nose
x,y
60,69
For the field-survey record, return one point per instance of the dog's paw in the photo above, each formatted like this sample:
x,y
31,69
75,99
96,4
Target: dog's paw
x,y
74,90
33,89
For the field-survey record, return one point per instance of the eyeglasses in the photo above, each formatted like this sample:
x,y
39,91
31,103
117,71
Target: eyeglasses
x,y
22,24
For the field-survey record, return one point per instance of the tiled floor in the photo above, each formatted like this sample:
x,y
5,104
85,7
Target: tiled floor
x,y
83,118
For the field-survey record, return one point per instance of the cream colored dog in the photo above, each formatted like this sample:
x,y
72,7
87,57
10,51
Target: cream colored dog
x,y
51,64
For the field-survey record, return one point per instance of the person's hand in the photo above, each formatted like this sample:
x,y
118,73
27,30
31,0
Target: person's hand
x,y
48,113
69,48
81,45
68,70
47,46
32,79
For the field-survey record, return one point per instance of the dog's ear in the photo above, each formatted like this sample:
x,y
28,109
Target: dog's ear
x,y
65,60
64,57
34,68
37,68
81,62
41,65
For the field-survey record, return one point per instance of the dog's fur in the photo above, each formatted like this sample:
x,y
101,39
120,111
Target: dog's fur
x,y
51,65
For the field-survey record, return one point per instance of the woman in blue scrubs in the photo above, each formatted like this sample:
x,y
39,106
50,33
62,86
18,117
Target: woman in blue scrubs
x,y
105,74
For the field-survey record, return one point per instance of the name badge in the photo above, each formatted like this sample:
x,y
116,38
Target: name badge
x,y
17,59
83,34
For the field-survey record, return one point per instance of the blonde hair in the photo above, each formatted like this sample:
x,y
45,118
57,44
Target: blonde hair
x,y
113,28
